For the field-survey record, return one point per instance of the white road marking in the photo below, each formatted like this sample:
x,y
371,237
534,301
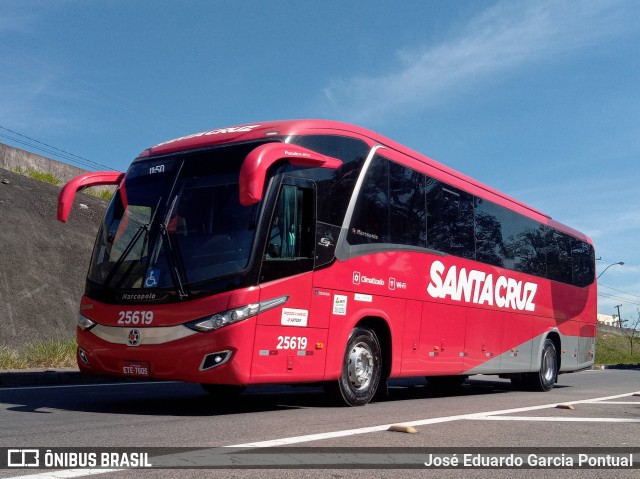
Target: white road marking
x,y
553,419
490,415
422,422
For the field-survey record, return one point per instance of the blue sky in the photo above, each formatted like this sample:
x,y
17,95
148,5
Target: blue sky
x,y
540,99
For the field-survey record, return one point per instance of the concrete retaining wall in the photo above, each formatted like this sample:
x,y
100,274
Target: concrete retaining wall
x,y
43,263
12,158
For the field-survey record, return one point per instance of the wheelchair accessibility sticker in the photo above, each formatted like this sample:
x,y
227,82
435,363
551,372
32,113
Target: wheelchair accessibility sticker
x,y
151,279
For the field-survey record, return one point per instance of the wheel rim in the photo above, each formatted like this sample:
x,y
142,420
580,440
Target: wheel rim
x,y
548,366
360,366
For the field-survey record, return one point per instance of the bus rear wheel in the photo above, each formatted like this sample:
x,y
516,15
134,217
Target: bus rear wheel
x,y
544,379
361,370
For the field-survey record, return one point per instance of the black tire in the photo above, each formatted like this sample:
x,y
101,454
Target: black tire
x,y
361,370
544,379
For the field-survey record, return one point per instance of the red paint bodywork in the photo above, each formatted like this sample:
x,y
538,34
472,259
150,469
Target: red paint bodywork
x,y
427,336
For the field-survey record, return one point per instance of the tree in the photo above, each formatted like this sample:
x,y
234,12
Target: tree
x,y
630,331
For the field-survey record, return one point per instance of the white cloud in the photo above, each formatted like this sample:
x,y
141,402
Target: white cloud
x,y
500,39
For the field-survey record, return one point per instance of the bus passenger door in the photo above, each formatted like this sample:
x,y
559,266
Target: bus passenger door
x,y
287,337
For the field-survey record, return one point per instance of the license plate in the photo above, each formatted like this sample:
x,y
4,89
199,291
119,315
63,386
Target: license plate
x,y
138,369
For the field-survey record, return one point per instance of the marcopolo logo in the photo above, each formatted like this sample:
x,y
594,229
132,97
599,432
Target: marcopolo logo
x,y
138,297
477,287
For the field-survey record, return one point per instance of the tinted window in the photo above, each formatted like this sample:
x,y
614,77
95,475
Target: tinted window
x,y
450,225
401,206
370,221
407,212
583,263
558,252
176,220
529,247
334,186
507,239
491,247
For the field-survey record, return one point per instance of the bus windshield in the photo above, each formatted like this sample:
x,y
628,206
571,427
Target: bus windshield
x,y
175,222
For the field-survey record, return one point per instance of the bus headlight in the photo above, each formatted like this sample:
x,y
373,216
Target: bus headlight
x,y
232,316
85,323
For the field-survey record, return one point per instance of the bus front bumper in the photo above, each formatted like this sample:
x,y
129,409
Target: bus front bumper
x,y
211,358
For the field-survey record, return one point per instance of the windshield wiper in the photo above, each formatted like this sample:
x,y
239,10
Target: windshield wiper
x,y
142,228
171,254
132,242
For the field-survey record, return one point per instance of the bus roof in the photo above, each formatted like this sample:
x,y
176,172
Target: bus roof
x,y
285,128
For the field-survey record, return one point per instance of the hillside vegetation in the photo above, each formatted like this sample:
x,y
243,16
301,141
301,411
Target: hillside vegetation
x,y
614,349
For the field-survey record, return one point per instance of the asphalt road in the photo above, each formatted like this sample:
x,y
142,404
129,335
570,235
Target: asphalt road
x,y
485,412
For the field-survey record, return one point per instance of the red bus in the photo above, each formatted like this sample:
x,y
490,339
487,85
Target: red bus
x,y
317,251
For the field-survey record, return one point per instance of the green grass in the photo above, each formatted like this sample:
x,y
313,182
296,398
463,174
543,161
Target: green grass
x,y
38,175
98,192
11,359
46,354
101,193
614,349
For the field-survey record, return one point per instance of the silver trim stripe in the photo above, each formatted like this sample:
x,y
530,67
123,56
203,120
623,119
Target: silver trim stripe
x,y
119,335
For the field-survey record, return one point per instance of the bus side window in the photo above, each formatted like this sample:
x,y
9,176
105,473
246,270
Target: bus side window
x,y
290,245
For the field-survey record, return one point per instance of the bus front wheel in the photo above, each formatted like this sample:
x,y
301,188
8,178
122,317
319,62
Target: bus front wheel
x,y
361,370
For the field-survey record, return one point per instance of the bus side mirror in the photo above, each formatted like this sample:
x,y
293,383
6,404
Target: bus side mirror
x,y
253,172
68,191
